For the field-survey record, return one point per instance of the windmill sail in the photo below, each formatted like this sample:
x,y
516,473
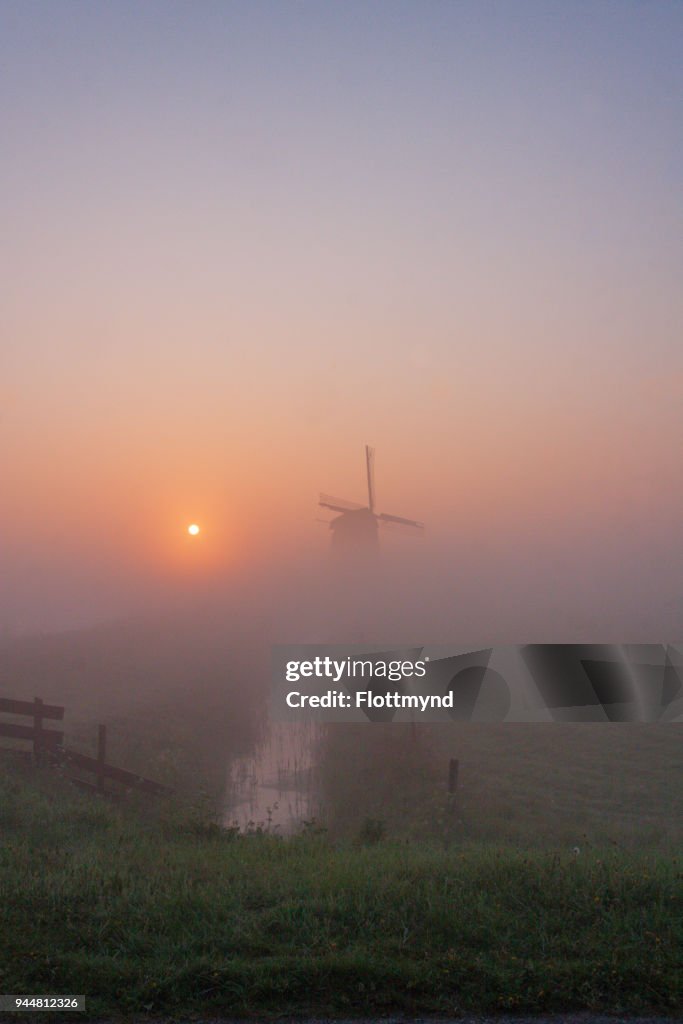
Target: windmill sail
x,y
386,518
338,504
355,528
370,468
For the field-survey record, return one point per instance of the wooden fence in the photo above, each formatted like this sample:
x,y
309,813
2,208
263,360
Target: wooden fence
x,y
48,748
43,739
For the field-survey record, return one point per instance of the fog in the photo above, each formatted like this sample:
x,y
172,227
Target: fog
x,y
244,243
173,651
181,638
507,589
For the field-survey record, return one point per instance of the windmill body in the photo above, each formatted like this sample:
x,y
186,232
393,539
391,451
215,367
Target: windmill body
x,y
355,529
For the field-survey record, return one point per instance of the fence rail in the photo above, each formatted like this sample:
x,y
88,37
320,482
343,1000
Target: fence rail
x,y
34,707
40,737
37,710
48,747
104,771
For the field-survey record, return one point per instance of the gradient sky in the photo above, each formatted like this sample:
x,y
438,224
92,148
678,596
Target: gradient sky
x,y
241,240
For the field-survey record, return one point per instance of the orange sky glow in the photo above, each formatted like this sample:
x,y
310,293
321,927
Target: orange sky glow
x,y
236,262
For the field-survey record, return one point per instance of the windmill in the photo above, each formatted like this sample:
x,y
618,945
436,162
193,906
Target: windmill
x,y
355,530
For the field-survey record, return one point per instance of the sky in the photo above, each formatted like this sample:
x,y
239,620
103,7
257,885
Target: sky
x,y
242,240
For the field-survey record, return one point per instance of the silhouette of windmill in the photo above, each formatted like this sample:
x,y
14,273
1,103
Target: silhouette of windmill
x,y
355,530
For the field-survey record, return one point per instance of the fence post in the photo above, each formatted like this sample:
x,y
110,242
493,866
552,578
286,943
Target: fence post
x,y
101,756
451,802
454,766
38,743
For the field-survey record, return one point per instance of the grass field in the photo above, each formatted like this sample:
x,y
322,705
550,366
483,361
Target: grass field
x,y
167,915
552,786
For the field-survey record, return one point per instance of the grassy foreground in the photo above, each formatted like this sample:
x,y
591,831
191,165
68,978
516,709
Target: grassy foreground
x,y
155,917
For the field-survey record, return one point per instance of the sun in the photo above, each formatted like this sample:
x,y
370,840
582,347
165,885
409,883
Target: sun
x,y
193,529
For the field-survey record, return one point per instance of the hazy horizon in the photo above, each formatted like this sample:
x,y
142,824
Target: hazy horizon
x,y
243,241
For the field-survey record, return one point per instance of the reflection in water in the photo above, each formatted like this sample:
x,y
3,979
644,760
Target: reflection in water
x,y
275,787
